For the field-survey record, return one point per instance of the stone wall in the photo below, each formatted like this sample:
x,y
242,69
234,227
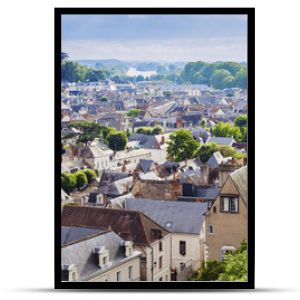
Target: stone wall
x,y
157,189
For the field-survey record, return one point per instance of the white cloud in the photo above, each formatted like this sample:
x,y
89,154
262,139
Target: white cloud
x,y
210,49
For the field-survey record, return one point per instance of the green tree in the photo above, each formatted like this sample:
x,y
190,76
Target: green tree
x,y
133,112
157,130
206,151
241,121
144,130
235,265
94,75
81,179
118,140
85,138
90,174
211,271
227,130
241,78
182,145
64,56
218,77
228,151
68,182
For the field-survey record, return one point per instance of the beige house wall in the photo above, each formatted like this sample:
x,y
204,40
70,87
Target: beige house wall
x,y
194,243
111,275
152,260
230,229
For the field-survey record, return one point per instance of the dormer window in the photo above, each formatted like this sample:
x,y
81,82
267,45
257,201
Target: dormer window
x,y
103,256
71,272
229,204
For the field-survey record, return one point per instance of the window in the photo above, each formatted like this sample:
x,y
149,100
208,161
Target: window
x,y
182,266
104,261
156,233
182,247
160,262
119,276
160,246
210,229
130,272
160,279
229,204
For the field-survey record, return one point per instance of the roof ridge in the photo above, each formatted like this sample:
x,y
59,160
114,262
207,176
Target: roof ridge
x,y
87,237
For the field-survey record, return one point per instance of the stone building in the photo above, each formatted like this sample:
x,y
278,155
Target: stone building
x,y
101,256
226,220
148,237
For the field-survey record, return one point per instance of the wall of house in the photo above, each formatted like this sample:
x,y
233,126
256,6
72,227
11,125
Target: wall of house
x,y
155,253
111,275
157,189
193,257
165,271
230,229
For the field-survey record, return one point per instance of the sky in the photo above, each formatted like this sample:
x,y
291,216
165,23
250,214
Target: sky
x,y
167,38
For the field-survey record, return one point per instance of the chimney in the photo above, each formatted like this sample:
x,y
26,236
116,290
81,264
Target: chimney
x,y
103,256
128,248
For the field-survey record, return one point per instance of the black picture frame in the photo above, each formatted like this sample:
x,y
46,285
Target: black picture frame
x,y
142,285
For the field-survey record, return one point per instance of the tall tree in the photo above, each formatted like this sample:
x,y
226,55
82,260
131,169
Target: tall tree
x,y
117,141
182,145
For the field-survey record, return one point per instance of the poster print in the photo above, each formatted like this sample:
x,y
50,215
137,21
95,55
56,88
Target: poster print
x,y
155,148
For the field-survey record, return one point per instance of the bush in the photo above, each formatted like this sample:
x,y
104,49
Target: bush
x,y
81,178
118,140
90,174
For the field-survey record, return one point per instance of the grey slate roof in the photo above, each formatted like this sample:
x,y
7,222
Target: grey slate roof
x,y
206,192
186,217
146,164
81,253
215,160
74,233
221,140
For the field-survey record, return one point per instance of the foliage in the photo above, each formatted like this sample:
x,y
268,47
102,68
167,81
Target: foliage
x,y
90,174
74,72
235,265
233,268
227,130
219,74
64,55
211,271
182,145
206,151
149,130
118,140
133,112
81,179
241,121
68,182
157,130
228,151
144,130
92,130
